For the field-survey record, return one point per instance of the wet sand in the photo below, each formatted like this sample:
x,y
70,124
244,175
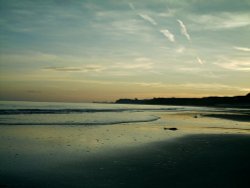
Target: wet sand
x,y
202,152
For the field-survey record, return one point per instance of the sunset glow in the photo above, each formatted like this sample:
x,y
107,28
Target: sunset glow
x,y
104,50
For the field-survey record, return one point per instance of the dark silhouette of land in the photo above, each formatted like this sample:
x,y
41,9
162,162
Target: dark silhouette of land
x,y
236,101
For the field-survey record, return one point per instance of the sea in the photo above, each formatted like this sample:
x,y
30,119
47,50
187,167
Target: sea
x,y
82,114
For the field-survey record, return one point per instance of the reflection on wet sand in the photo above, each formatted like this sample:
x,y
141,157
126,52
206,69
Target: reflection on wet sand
x,y
28,149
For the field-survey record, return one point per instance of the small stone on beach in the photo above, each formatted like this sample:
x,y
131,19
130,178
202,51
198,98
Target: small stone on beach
x,y
171,129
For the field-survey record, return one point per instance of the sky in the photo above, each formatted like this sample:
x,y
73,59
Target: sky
x,y
103,50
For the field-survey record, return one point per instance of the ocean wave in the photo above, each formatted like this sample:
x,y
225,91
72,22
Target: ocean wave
x,y
70,111
152,118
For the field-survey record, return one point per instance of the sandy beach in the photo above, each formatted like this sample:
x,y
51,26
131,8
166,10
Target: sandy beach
x,y
203,151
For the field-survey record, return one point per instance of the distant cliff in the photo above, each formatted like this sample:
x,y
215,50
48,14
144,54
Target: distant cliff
x,y
237,101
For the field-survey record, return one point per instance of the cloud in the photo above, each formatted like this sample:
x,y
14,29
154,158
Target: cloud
x,y
170,13
30,57
63,69
150,84
244,49
184,30
143,16
139,65
87,68
148,18
212,86
131,5
181,49
168,34
199,60
143,63
142,59
129,26
93,68
193,86
235,65
191,69
220,21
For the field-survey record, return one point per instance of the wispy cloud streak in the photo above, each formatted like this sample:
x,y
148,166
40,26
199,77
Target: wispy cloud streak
x,y
148,18
139,63
220,21
242,49
63,69
87,68
143,16
236,65
131,5
184,30
199,60
168,35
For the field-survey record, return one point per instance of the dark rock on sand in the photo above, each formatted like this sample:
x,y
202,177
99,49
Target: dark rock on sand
x,y
171,129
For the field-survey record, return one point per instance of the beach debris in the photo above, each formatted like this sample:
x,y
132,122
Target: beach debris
x,y
171,128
